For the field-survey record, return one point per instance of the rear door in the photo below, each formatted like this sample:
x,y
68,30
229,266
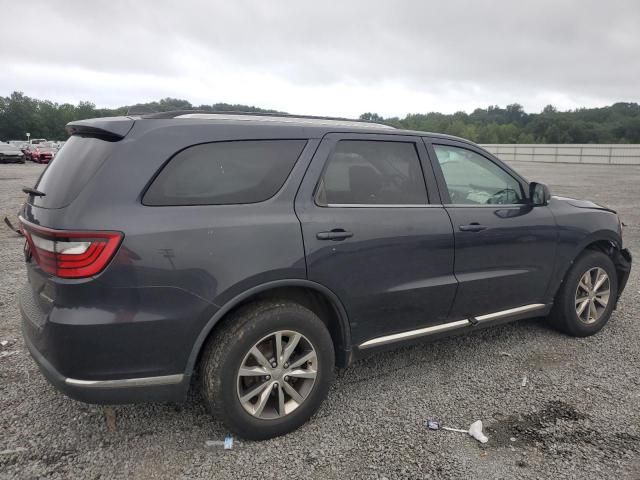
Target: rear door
x,y
376,234
504,247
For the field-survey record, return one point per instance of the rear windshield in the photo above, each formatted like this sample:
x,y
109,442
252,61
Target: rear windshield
x,y
70,170
222,173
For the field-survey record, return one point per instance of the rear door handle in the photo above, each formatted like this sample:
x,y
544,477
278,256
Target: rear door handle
x,y
335,234
472,227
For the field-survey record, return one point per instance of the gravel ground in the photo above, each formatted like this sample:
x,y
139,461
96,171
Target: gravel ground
x,y
577,417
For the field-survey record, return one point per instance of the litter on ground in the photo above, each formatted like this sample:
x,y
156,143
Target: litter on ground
x,y
475,429
227,443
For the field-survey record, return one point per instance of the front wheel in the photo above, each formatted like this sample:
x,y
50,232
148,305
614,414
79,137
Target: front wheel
x,y
587,297
268,369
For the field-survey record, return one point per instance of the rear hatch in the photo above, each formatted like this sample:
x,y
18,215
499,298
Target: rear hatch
x,y
60,254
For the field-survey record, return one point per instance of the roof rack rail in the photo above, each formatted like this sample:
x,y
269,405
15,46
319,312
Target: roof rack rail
x,y
178,113
170,114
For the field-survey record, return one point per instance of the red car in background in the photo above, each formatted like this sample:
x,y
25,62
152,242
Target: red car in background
x,y
40,153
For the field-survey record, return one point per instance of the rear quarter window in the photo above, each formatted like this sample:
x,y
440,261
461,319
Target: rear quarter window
x,y
224,173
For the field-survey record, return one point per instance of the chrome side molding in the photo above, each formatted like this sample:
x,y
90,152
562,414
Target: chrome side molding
x,y
511,311
444,327
127,382
396,337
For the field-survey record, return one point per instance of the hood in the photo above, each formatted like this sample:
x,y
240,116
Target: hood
x,y
584,204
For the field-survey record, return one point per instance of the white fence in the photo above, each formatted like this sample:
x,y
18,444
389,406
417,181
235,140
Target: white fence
x,y
616,154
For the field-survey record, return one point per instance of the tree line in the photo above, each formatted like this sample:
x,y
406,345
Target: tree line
x,y
20,114
617,123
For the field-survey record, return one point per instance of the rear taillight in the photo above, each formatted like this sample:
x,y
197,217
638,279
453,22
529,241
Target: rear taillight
x,y
70,254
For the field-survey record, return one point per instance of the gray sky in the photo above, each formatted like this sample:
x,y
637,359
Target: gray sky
x,y
325,58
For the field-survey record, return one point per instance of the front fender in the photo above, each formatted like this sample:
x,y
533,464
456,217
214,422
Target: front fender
x,y
622,260
571,247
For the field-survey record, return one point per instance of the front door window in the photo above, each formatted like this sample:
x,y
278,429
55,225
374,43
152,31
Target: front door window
x,y
475,180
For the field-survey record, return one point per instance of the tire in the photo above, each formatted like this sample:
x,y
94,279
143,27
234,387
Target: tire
x,y
229,348
564,314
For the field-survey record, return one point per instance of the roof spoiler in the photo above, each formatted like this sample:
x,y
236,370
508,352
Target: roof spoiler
x,y
111,129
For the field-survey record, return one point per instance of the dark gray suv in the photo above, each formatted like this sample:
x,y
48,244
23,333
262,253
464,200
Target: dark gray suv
x,y
258,253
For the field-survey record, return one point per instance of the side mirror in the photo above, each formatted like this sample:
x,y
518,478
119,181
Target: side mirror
x,y
539,194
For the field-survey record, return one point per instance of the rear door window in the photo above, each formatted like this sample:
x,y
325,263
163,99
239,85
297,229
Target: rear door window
x,y
70,170
222,173
363,172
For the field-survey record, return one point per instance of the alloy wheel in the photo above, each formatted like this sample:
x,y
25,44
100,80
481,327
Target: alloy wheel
x,y
592,295
277,375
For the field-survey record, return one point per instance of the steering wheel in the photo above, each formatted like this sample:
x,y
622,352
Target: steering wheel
x,y
503,194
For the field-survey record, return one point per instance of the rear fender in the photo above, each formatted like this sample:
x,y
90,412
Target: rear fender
x,y
230,305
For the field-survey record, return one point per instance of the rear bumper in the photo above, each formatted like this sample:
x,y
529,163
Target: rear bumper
x,y
110,355
111,392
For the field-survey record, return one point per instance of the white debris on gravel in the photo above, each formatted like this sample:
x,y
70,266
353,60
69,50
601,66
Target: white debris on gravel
x,y
475,430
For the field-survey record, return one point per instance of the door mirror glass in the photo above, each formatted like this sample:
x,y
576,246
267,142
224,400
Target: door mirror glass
x,y
539,193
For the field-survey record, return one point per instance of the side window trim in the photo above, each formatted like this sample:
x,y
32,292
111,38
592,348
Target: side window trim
x,y
423,162
442,184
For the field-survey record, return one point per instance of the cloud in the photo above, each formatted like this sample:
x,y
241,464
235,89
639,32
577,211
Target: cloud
x,y
332,58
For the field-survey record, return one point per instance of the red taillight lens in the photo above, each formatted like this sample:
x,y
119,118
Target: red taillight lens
x,y
70,254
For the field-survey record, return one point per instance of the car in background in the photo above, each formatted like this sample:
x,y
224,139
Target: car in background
x,y
10,154
19,144
41,153
28,150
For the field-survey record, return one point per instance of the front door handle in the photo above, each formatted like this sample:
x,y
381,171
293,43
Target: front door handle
x,y
472,227
335,234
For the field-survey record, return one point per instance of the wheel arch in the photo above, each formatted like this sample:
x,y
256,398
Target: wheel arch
x,y
605,241
314,296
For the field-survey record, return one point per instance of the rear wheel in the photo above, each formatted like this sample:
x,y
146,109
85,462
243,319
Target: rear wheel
x,y
586,299
268,369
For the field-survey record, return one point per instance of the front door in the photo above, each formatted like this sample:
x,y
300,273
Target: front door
x,y
376,234
504,247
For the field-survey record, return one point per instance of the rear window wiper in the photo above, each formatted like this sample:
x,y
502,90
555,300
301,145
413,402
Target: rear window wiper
x,y
33,191
10,225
